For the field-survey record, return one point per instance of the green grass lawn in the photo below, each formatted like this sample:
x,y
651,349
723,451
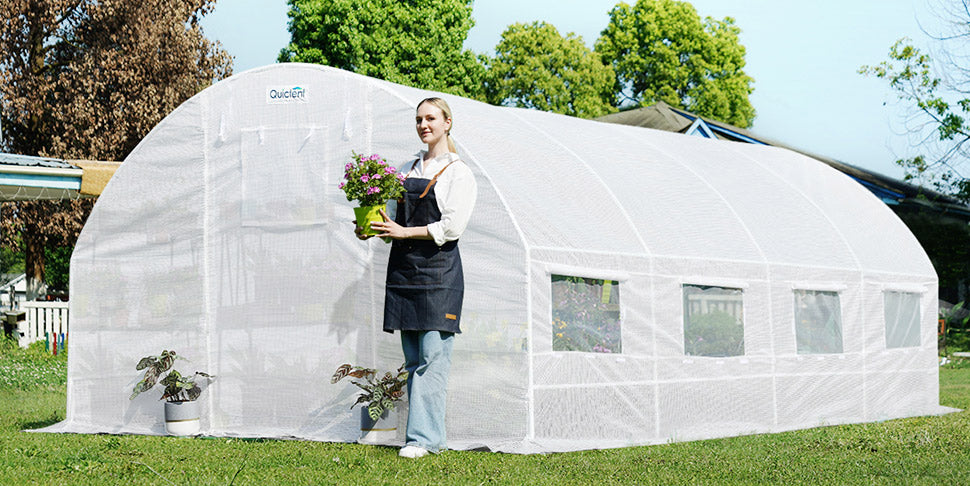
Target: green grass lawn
x,y
931,450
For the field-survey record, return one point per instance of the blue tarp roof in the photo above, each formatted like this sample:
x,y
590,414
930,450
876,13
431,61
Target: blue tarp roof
x,y
29,178
31,161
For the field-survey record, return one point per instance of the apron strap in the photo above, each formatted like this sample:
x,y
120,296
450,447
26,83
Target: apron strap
x,y
433,180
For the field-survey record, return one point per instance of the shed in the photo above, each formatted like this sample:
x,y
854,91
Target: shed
x,y
30,178
624,286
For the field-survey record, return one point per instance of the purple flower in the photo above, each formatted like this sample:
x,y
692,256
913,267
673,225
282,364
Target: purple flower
x,y
374,157
375,176
341,186
364,178
389,170
348,167
373,190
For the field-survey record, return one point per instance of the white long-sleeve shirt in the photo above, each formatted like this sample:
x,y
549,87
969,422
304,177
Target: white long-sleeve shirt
x,y
455,192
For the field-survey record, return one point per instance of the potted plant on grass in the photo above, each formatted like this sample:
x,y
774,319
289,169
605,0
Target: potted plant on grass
x,y
371,182
378,420
180,392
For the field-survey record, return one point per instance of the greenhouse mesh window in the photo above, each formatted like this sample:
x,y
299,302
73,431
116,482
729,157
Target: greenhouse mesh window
x,y
585,315
902,319
818,322
713,321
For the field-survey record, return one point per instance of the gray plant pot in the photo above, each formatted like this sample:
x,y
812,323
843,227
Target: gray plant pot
x,y
381,431
182,418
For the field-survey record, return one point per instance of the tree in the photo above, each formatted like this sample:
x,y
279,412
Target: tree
x,y
939,104
662,51
537,68
412,43
87,79
946,244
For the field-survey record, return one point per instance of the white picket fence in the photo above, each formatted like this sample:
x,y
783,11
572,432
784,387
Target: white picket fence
x,y
704,303
43,319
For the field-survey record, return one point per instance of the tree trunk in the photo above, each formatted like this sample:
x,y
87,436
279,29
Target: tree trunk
x,y
34,266
37,63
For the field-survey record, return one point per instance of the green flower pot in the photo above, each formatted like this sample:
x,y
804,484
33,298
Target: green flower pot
x,y
368,214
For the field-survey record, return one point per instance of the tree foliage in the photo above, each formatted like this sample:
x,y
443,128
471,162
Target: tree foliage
x,y
87,79
661,50
412,43
535,67
945,242
57,264
940,105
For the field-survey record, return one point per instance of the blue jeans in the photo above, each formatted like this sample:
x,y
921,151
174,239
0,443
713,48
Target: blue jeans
x,y
427,357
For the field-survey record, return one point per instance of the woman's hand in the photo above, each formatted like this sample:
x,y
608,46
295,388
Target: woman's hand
x,y
359,231
389,228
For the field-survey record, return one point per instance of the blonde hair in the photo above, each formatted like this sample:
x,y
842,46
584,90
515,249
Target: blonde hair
x,y
446,111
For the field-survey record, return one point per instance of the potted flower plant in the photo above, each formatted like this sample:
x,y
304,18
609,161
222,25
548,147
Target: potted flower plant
x,y
180,392
378,423
371,182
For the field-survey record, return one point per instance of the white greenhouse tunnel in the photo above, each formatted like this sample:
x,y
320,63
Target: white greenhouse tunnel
x,y
624,286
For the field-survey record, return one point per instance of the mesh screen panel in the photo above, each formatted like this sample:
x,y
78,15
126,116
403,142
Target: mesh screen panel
x,y
818,322
902,319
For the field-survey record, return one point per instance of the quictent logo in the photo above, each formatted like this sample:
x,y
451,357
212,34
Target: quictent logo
x,y
290,94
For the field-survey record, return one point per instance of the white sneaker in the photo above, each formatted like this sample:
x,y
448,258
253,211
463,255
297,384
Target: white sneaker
x,y
413,452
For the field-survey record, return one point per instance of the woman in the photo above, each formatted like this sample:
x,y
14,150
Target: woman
x,y
425,285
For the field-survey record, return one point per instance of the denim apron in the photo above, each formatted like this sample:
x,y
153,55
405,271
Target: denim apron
x,y
425,284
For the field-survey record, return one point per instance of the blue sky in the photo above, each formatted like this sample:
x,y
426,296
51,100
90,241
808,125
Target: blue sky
x,y
804,57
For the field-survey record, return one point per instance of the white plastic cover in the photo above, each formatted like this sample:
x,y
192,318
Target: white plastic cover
x,y
224,237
